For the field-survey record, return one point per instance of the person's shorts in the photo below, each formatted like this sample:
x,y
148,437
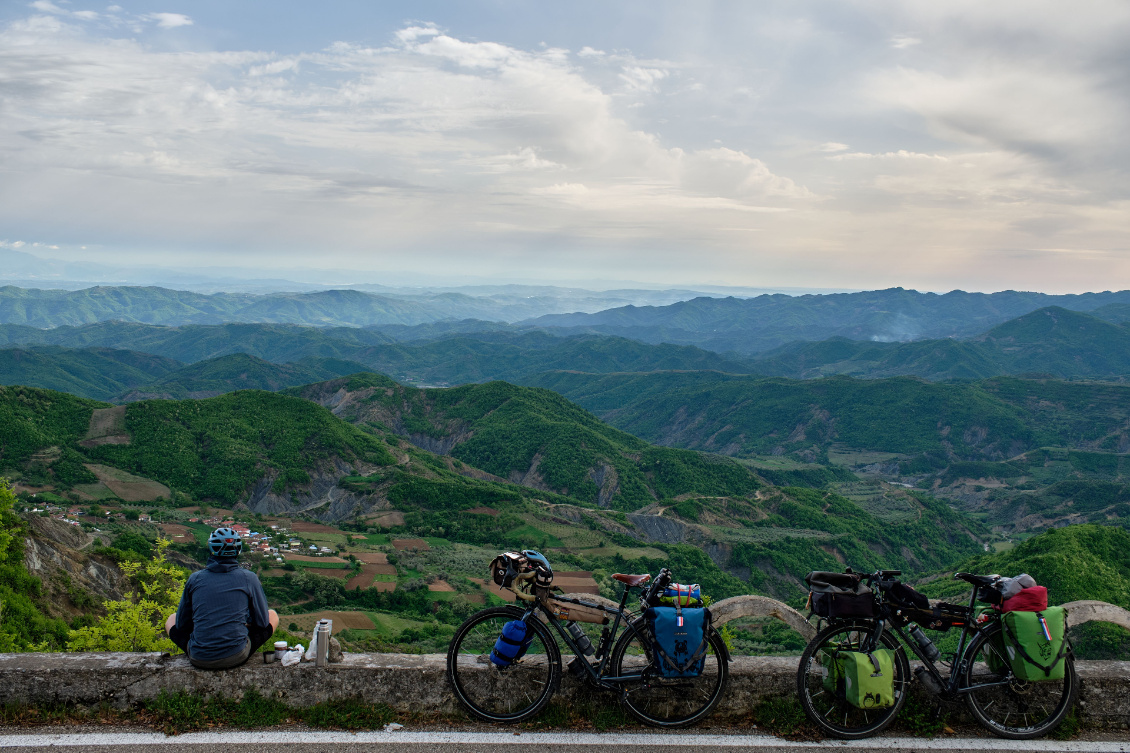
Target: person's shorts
x,y
227,662
256,637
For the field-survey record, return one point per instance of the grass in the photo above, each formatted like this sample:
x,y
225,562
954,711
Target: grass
x,y
628,553
860,457
321,565
330,538
391,624
98,491
535,535
770,462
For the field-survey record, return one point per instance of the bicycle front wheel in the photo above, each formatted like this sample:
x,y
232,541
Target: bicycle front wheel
x,y
821,699
1018,710
669,702
502,694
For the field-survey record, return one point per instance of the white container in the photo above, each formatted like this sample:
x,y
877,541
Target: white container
x,y
280,650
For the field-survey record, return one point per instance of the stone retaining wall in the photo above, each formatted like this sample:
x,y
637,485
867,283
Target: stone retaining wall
x,y
411,683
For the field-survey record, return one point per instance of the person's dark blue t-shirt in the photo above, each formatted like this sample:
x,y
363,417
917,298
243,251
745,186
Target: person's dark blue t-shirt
x,y
218,604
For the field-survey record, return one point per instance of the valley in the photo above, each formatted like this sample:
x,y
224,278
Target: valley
x,y
379,503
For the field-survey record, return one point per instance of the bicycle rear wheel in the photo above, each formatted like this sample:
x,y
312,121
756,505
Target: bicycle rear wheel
x,y
828,709
493,693
668,702
1020,710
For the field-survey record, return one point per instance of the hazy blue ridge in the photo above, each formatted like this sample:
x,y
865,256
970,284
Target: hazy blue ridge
x,y
764,322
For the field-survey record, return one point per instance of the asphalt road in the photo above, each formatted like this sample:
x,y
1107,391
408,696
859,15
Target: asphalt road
x,y
492,742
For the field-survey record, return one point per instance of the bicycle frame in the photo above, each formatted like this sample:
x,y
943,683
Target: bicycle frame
x,y
949,685
603,651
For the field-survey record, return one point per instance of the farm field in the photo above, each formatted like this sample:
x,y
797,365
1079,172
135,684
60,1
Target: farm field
x,y
127,486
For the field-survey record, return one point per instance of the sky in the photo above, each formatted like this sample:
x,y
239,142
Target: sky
x,y
838,144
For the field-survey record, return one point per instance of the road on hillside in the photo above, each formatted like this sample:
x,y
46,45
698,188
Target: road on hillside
x,y
513,742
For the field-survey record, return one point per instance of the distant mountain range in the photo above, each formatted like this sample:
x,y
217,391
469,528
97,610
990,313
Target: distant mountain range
x,y
724,325
340,307
1052,341
748,326
454,360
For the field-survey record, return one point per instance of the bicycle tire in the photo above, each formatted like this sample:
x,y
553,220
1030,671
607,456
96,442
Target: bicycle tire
x,y
821,706
495,694
994,707
669,703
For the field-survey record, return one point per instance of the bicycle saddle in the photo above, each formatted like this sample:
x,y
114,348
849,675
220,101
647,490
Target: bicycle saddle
x,y
631,581
977,580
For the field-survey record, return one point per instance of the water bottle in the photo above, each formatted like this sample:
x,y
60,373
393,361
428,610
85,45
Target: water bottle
x,y
579,636
929,650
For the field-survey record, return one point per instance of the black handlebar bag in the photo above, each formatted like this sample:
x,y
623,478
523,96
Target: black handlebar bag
x,y
839,595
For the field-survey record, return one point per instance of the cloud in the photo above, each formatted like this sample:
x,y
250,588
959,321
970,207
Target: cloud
x,y
776,142
643,79
169,20
47,6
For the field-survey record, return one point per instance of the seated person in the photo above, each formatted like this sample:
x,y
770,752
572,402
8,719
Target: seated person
x,y
223,615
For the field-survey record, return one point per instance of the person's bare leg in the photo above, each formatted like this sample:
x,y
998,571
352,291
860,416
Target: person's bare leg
x,y
273,618
171,622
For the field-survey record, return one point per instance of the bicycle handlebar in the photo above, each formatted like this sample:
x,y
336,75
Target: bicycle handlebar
x,y
662,578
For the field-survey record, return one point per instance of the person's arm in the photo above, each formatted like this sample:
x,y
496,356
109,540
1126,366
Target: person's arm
x,y
184,611
258,609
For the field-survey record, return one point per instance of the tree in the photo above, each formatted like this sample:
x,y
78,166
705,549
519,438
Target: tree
x,y
136,623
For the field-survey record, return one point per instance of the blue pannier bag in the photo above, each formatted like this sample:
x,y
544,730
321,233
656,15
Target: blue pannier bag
x,y
680,639
512,644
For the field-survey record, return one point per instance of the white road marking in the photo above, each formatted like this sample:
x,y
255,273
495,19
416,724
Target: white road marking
x,y
549,739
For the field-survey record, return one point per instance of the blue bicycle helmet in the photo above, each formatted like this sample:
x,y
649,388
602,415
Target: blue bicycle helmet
x,y
224,542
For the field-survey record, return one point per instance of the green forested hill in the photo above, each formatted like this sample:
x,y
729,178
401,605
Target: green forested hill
x,y
239,371
279,343
534,437
1077,562
746,416
97,373
450,360
1073,563
1022,454
280,454
1052,341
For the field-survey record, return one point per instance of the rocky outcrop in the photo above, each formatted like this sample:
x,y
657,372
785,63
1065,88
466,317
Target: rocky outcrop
x,y
73,579
321,498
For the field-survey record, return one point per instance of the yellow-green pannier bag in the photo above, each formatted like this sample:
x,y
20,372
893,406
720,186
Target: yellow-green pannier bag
x,y
1035,643
866,681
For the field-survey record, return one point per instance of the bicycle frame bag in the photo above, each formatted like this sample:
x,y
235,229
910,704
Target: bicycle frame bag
x,y
512,644
940,616
680,639
566,611
1035,643
866,681
839,595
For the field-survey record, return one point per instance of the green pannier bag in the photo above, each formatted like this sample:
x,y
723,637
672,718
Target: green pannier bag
x,y
829,670
866,681
1035,643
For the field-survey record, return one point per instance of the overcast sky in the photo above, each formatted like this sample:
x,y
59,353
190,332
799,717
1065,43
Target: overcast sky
x,y
935,145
